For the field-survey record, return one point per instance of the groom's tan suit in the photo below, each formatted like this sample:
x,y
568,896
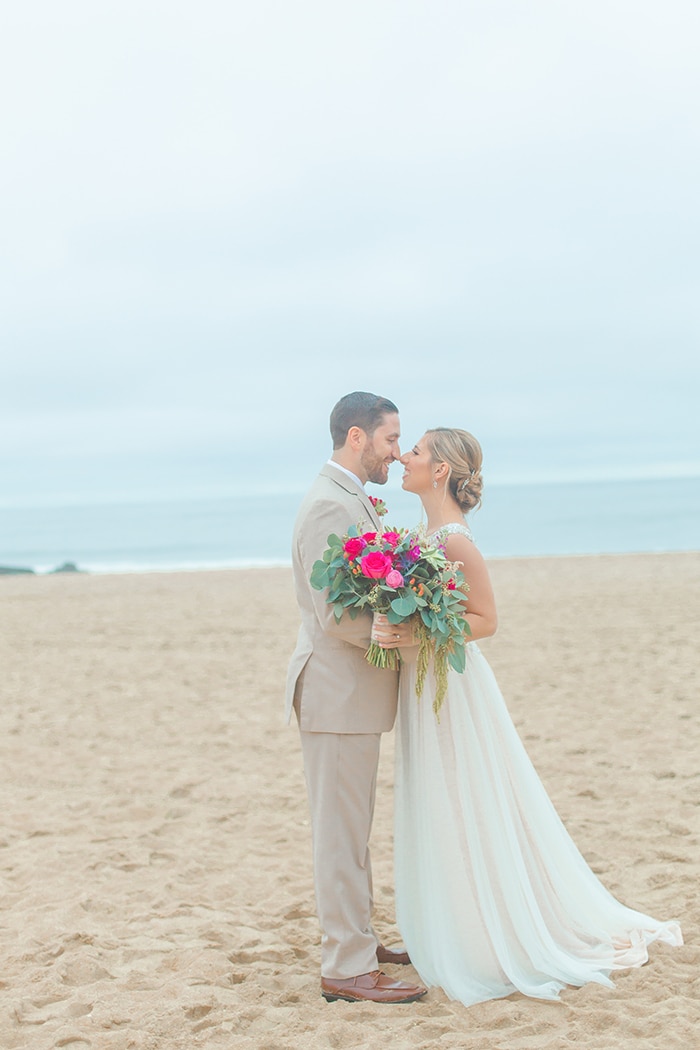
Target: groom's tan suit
x,y
342,705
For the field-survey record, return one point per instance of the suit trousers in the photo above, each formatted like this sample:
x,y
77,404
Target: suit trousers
x,y
341,781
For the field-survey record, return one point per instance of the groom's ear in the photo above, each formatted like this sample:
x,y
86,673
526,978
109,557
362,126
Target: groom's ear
x,y
355,438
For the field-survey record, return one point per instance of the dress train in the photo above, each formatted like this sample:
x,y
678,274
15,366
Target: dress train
x,y
492,894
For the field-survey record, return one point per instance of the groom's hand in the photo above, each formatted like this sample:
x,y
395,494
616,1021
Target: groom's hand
x,y
391,635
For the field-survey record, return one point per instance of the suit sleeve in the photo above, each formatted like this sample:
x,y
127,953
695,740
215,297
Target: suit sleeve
x,y
325,517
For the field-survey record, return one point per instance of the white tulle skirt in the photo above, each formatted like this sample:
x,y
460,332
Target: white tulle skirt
x,y
492,895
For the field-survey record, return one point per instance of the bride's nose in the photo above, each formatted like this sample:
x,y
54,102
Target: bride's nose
x,y
402,459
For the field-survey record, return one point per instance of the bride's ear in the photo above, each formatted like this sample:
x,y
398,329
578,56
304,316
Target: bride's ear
x,y
441,470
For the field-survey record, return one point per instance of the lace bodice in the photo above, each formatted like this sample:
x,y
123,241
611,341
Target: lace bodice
x,y
452,528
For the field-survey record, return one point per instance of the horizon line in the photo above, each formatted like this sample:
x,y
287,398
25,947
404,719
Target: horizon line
x,y
668,472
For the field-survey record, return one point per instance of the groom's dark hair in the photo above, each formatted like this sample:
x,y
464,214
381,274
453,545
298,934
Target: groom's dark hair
x,y
358,409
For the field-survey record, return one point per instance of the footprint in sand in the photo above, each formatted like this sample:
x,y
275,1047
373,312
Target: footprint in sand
x,y
196,1013
83,971
38,1011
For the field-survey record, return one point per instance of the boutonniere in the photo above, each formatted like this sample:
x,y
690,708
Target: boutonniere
x,y
379,505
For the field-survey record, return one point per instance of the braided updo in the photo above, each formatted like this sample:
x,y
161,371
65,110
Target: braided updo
x,y
462,453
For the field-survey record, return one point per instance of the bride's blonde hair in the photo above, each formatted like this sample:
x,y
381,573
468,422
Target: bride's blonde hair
x,y
462,453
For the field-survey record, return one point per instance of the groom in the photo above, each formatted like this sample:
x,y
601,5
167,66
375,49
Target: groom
x,y
343,705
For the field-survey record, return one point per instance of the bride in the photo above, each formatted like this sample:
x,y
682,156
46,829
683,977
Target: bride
x,y
492,895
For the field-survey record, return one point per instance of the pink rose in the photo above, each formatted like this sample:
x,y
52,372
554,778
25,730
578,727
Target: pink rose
x,y
375,565
392,538
353,546
369,537
394,579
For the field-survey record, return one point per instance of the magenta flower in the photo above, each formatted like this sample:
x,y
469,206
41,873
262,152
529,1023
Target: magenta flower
x,y
392,538
394,579
353,546
375,565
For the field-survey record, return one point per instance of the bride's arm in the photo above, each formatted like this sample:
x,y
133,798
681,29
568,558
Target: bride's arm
x,y
481,604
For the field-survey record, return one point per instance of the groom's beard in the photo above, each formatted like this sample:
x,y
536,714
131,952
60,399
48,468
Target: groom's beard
x,y
377,469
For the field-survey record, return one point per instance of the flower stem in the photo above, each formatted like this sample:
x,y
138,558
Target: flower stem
x,y
387,659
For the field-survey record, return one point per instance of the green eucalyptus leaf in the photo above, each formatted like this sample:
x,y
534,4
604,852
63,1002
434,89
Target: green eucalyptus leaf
x,y
404,607
319,576
457,659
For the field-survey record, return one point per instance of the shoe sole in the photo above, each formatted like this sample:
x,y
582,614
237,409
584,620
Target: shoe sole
x,y
330,998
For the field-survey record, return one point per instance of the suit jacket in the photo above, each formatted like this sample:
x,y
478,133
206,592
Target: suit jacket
x,y
335,688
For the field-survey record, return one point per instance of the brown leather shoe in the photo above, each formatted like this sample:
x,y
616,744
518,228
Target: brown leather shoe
x,y
374,987
386,955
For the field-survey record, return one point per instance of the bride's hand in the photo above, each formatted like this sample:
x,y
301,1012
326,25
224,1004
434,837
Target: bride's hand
x,y
391,635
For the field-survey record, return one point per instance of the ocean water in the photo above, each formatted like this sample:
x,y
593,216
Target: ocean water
x,y
236,531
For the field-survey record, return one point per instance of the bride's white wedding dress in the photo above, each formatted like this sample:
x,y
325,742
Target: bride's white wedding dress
x,y
492,895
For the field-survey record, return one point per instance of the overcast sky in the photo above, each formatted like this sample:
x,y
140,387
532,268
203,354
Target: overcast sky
x,y
218,218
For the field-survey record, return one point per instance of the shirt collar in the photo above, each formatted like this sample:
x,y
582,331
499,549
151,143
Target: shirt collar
x,y
332,463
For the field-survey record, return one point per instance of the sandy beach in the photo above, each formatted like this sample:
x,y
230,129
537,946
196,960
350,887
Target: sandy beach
x,y
155,850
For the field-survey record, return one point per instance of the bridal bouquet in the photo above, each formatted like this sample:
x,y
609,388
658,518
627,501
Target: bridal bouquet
x,y
404,575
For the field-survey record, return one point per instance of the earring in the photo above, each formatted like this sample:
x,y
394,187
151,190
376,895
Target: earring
x,y
434,483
